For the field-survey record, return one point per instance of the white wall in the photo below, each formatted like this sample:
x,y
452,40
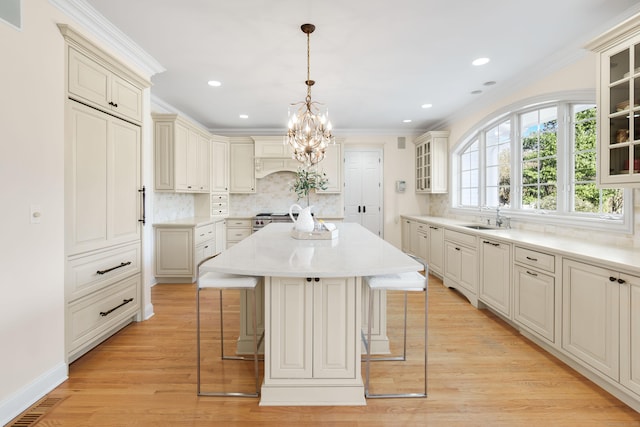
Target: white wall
x,y
31,168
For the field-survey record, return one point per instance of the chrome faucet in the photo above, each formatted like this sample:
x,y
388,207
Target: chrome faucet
x,y
499,219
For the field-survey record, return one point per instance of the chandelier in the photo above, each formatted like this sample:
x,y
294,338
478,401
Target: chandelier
x,y
309,130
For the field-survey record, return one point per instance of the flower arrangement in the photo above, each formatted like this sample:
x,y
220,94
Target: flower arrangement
x,y
308,180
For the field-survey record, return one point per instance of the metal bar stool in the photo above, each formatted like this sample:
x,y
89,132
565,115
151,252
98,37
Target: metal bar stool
x,y
224,282
406,282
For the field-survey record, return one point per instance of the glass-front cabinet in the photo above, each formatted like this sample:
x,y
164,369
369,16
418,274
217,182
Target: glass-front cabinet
x,y
432,150
619,105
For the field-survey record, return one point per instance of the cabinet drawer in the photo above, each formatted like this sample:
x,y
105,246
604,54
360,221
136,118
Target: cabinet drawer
x,y
92,271
422,228
219,198
238,223
535,259
205,250
461,238
237,234
89,317
204,233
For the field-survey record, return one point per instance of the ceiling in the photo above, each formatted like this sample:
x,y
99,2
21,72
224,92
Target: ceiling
x,y
375,62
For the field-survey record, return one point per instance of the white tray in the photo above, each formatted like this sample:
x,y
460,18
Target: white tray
x,y
314,235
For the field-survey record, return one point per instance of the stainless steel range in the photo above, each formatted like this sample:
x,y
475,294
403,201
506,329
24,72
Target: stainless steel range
x,y
263,219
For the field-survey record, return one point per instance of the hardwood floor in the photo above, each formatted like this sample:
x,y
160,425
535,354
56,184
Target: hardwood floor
x,y
481,373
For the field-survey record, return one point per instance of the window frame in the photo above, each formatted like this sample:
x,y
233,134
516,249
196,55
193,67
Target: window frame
x,y
563,216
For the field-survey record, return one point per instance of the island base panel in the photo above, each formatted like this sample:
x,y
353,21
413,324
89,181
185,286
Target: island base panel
x,y
312,396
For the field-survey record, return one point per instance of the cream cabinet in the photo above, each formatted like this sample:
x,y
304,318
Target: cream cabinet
x,y
630,332
461,264
436,249
242,175
219,204
416,240
219,164
181,155
432,156
180,247
405,230
103,195
332,166
495,275
618,100
313,336
590,316
535,292
238,229
92,81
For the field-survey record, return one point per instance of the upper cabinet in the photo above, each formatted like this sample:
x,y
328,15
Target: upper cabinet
x,y
242,177
181,155
219,164
92,83
432,149
618,99
332,167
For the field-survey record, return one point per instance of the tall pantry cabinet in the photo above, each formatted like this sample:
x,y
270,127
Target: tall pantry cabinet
x,y
104,210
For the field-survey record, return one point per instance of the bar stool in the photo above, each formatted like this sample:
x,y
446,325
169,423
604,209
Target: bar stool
x,y
406,282
224,282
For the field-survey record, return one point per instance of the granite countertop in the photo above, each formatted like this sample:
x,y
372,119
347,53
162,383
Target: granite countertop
x,y
272,251
623,258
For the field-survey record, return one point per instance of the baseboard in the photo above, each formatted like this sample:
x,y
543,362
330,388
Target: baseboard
x,y
15,404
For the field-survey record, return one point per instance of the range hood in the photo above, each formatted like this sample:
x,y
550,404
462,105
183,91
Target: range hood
x,y
272,155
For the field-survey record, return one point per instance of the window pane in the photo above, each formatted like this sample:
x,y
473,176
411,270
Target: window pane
x,y
530,172
548,197
530,197
585,166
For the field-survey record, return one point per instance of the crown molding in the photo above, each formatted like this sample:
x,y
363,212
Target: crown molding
x,y
109,34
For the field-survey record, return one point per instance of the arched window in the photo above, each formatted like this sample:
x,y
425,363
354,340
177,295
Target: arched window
x,y
537,162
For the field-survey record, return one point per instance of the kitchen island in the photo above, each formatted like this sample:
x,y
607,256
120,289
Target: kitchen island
x,y
312,309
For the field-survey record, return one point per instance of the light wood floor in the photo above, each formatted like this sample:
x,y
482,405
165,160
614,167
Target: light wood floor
x,y
481,373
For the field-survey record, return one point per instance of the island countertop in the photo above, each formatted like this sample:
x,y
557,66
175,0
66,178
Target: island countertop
x,y
272,251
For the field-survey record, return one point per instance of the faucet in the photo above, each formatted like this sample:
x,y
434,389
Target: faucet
x,y
499,219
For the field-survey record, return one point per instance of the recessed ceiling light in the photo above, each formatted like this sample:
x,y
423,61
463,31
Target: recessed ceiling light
x,y
406,121
476,92
426,105
481,61
244,116
214,83
489,83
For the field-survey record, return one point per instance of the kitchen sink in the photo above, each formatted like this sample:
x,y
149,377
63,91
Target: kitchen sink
x,y
480,227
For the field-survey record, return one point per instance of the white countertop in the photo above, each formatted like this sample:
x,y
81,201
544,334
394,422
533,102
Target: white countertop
x,y
272,251
194,221
623,258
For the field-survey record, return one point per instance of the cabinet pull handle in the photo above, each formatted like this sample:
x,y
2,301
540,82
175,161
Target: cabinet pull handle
x,y
317,279
308,279
531,274
358,209
143,190
457,249
621,281
532,259
612,279
433,228
122,264
490,243
124,302
364,209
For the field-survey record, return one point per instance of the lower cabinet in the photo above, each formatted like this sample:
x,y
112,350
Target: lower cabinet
x,y
179,249
435,250
238,229
313,334
630,333
590,316
495,275
534,301
461,263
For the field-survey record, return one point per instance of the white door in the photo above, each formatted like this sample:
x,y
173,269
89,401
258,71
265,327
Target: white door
x,y
363,188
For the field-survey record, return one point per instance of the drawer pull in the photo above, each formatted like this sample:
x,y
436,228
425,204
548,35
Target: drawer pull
x,y
122,264
457,249
124,302
531,274
433,228
621,281
612,279
532,259
490,243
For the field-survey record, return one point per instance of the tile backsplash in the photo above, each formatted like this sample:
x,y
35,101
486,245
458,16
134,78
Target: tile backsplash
x,y
273,194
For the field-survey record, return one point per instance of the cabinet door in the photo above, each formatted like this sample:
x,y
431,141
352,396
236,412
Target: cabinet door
x,y
181,157
221,237
495,282
124,182
469,269
88,80
174,252
423,246
334,329
630,333
436,249
406,235
590,323
291,301
203,169
192,161
415,238
452,261
242,170
220,164
163,156
126,99
534,301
